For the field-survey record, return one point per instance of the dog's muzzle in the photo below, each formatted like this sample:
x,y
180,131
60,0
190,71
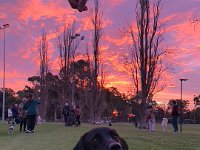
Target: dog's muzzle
x,y
114,146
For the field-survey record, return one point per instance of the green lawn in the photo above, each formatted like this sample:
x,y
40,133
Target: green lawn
x,y
54,136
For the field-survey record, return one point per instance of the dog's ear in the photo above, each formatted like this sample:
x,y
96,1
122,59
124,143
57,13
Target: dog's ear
x,y
124,144
81,144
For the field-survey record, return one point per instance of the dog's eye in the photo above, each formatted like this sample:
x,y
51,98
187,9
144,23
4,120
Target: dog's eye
x,y
94,140
115,137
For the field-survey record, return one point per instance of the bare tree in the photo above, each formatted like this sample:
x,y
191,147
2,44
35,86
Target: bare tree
x,y
65,39
103,76
76,42
44,69
96,19
146,60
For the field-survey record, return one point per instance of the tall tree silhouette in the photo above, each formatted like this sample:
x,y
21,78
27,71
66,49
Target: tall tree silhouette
x,y
146,59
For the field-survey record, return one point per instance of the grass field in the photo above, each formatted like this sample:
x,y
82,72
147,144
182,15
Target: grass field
x,y
55,136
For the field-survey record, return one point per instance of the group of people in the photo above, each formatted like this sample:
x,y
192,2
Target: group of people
x,y
71,115
24,114
150,117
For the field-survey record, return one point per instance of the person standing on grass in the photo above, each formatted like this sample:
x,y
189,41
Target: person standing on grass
x,y
65,112
150,118
78,115
15,114
22,114
10,114
31,111
15,111
175,116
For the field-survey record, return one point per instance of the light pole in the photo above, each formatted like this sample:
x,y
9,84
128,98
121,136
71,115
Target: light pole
x,y
181,120
4,69
73,57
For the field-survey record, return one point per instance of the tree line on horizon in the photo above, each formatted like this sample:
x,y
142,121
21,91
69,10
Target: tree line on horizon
x,y
113,101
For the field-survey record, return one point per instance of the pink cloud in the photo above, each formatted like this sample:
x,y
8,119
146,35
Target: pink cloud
x,y
116,41
115,3
86,23
13,74
36,9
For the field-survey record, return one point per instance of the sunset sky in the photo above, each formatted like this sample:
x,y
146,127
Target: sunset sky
x,y
27,18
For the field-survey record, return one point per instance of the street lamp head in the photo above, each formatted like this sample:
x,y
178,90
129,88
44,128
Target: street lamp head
x,y
183,79
77,34
82,37
6,25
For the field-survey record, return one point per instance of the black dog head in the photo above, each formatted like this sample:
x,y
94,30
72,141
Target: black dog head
x,y
101,139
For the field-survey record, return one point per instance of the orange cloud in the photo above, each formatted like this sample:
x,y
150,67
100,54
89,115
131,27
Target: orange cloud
x,y
114,3
14,79
117,41
104,48
2,16
86,23
120,82
36,9
17,84
13,74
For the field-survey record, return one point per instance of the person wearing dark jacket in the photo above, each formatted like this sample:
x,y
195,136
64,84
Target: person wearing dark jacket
x,y
15,111
15,114
31,110
175,116
65,112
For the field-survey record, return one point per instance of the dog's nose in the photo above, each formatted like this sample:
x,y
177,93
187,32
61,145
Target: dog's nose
x,y
115,146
